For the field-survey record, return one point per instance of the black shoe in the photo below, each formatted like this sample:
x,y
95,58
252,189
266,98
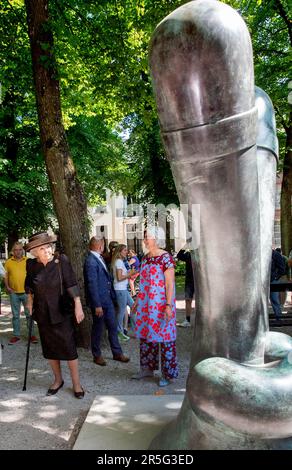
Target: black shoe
x,y
79,394
53,391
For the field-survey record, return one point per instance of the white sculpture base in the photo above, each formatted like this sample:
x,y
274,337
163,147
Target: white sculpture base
x,y
126,421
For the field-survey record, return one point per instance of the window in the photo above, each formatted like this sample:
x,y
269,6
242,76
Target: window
x,y
134,234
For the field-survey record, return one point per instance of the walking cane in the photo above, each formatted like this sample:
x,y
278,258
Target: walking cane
x,y
27,351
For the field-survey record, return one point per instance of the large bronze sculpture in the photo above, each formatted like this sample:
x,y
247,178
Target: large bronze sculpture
x,y
220,139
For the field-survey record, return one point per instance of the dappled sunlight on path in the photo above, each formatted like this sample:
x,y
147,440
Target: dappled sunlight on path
x,y
31,420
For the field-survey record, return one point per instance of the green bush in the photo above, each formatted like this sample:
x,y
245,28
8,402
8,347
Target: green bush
x,y
180,268
179,284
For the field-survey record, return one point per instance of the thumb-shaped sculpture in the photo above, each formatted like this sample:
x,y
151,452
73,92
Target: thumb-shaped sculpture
x,y
239,388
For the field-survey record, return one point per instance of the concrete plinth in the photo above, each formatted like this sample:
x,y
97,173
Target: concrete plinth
x,y
126,421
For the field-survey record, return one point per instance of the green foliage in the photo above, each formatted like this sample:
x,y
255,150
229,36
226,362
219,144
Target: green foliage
x,y
101,49
271,39
99,155
107,44
179,284
104,71
101,52
153,181
25,202
180,268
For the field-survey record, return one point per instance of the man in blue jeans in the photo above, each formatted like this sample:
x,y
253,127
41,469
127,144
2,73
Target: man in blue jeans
x,y
15,268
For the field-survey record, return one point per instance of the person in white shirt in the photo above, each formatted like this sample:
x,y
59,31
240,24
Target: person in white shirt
x,y
121,281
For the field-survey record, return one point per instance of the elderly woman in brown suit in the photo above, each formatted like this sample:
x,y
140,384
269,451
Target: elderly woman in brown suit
x,y
53,297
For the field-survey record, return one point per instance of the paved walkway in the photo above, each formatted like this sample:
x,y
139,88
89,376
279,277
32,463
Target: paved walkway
x,y
30,420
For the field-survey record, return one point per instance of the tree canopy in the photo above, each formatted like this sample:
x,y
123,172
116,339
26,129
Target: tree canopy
x,y
25,200
101,53
270,25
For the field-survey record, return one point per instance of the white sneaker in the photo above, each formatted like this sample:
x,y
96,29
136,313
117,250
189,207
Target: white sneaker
x,y
123,337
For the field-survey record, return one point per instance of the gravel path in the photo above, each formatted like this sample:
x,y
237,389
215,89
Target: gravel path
x,y
30,420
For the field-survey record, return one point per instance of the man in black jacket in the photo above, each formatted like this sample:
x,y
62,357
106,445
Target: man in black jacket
x,y
278,269
185,255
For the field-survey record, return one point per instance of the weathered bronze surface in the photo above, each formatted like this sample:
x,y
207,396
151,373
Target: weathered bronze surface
x,y
220,139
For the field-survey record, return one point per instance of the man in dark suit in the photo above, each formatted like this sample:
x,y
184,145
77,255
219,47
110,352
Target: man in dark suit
x,y
100,295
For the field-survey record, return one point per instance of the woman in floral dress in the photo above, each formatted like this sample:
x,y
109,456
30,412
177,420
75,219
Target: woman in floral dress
x,y
156,312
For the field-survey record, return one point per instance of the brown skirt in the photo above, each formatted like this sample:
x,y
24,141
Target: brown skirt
x,y
58,341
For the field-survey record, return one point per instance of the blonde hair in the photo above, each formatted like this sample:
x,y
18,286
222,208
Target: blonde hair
x,y
117,255
16,244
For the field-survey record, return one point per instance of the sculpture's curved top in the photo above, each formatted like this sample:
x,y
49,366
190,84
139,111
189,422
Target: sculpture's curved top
x,y
189,46
202,70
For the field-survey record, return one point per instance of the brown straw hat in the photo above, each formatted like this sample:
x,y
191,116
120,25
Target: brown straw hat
x,y
39,239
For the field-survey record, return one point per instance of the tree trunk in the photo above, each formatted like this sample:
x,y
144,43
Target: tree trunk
x,y
69,201
286,195
11,144
13,236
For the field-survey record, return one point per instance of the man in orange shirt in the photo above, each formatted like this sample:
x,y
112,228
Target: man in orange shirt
x,y
15,268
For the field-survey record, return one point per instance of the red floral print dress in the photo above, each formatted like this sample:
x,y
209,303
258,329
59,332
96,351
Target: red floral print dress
x,y
150,322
